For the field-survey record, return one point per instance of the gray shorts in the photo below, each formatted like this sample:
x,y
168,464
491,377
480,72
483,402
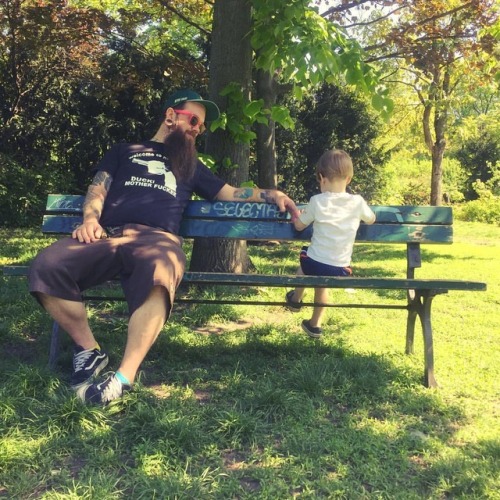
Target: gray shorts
x,y
141,256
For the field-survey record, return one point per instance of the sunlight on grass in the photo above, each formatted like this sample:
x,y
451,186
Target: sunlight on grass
x,y
237,402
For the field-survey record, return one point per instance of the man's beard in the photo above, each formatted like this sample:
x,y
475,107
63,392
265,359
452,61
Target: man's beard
x,y
180,148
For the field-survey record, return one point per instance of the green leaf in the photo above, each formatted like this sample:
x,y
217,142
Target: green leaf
x,y
281,115
262,119
246,137
298,92
208,161
250,184
253,108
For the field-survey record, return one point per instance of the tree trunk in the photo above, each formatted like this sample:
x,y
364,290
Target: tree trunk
x,y
266,146
437,169
230,61
438,95
440,126
437,148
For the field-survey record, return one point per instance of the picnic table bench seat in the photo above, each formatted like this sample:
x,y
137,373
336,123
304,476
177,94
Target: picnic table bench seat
x,y
411,226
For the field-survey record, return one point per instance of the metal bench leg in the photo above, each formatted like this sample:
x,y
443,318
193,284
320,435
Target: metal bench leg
x,y
425,318
54,345
419,304
410,322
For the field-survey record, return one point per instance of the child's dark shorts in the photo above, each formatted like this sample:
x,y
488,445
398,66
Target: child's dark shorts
x,y
311,267
142,256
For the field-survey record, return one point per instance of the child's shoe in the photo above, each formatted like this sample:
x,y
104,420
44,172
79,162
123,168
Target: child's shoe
x,y
313,331
290,305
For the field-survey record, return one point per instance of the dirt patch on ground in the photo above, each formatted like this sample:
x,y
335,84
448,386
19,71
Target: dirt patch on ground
x,y
219,328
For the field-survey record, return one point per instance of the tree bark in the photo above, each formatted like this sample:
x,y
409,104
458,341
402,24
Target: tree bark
x,y
438,101
436,148
230,61
266,146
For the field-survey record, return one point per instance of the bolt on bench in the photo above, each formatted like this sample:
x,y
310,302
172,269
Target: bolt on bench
x,y
412,226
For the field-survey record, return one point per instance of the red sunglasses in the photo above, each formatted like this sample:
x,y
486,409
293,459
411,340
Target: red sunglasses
x,y
193,119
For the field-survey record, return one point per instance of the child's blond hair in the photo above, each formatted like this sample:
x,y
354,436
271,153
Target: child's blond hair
x,y
333,164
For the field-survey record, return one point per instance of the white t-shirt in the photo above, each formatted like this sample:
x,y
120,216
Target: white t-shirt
x,y
335,218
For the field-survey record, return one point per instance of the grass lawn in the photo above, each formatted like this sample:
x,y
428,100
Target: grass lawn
x,y
238,403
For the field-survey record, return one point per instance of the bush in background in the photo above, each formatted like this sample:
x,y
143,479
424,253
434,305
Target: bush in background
x,y
487,206
24,188
332,117
480,210
407,180
477,155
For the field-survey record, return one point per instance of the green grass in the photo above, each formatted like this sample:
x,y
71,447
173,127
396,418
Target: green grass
x,y
257,409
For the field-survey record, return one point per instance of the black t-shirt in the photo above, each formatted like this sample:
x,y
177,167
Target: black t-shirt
x,y
145,191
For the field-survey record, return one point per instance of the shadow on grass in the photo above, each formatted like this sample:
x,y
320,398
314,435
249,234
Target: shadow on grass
x,y
226,416
256,412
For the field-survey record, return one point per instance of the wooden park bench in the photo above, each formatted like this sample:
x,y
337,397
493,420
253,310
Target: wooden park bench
x,y
411,226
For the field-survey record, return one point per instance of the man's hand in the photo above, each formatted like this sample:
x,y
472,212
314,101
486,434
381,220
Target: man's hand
x,y
88,232
286,204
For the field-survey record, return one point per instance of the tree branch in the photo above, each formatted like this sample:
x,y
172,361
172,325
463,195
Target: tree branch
x,y
438,16
344,7
418,40
373,21
186,19
407,84
393,55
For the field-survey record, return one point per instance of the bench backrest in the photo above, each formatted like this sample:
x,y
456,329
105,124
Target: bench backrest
x,y
262,221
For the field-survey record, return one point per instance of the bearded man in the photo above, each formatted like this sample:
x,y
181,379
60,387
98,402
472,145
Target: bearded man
x,y
131,218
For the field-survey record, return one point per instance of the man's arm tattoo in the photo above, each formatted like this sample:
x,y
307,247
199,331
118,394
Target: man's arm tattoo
x,y
243,193
102,178
267,196
88,209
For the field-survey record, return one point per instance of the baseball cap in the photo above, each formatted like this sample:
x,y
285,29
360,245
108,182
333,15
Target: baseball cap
x,y
182,96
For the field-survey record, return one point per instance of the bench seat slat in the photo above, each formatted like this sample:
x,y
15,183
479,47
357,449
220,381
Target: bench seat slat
x,y
292,281
15,270
264,211
285,280
274,230
60,224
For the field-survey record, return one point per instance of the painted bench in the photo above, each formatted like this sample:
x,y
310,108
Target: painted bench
x,y
408,225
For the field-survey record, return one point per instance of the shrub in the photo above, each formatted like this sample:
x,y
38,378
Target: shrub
x,y
332,118
477,156
485,209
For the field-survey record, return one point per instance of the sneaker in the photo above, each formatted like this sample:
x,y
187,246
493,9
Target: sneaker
x,y
103,392
87,364
290,304
313,331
